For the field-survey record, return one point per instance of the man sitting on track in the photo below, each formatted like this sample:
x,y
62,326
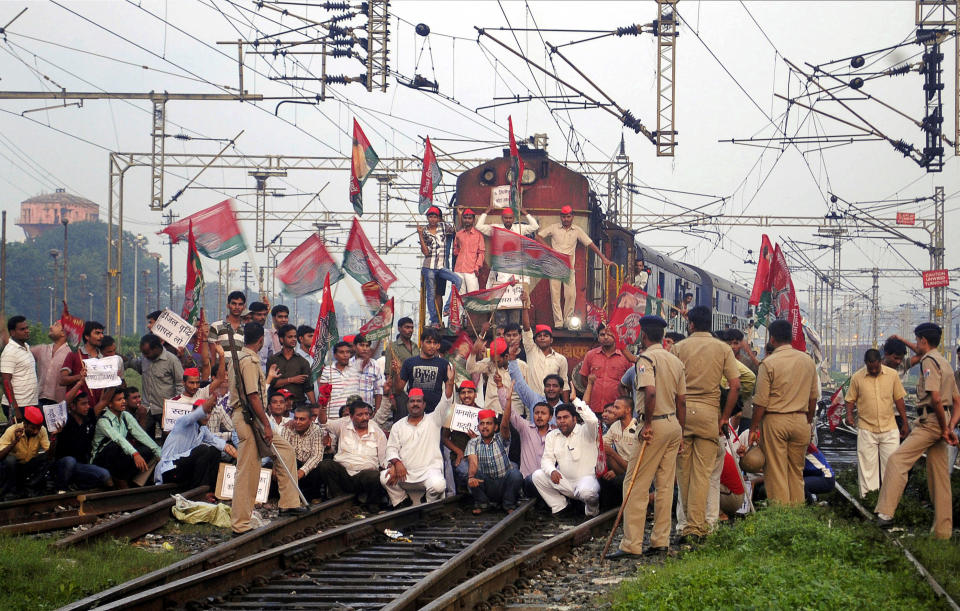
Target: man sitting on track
x,y
191,454
73,442
413,451
21,451
305,436
119,444
491,477
568,466
361,451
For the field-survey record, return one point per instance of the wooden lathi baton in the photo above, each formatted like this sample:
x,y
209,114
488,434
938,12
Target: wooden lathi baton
x,y
633,480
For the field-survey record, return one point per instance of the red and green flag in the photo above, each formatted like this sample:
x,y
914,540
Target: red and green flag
x,y
361,261
379,327
485,301
303,271
373,295
783,298
363,159
325,335
513,253
429,178
216,229
193,290
72,326
760,295
516,172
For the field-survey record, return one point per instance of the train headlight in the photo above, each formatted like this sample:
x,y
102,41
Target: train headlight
x,y
574,324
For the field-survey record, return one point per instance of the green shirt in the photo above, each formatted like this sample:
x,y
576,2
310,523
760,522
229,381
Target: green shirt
x,y
117,428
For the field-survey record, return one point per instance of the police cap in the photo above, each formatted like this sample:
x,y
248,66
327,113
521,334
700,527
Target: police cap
x,y
652,320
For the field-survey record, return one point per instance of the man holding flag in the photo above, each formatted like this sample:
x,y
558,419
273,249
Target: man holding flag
x,y
564,238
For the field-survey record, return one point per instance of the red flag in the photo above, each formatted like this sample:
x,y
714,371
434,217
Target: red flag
x,y
363,159
304,270
833,411
193,289
373,295
378,328
362,262
217,231
429,177
459,341
784,298
485,300
512,253
596,316
516,169
456,319
762,280
72,326
325,335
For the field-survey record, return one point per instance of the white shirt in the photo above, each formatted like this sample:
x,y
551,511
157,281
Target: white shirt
x,y
488,368
541,365
358,453
18,361
528,228
575,456
418,446
344,383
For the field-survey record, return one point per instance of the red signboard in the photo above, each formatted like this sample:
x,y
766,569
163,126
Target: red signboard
x,y
936,278
906,218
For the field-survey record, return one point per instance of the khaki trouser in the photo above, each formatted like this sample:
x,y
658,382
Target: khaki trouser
x,y
925,437
248,474
713,496
660,466
696,463
785,438
873,451
569,300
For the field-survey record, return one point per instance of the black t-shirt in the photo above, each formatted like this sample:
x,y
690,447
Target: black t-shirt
x,y
429,375
77,439
290,368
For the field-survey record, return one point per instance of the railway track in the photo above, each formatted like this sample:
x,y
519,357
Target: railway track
x,y
58,511
278,532
398,560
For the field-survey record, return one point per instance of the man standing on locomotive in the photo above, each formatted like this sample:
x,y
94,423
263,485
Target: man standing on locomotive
x,y
469,250
564,238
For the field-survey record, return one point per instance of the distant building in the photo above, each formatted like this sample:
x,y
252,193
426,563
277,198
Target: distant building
x,y
43,212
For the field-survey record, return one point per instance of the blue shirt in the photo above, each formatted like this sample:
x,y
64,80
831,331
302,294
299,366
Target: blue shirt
x,y
186,435
492,458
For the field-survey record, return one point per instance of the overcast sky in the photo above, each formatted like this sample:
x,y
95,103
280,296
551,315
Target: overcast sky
x,y
88,46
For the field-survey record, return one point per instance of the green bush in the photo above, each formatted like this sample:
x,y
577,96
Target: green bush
x,y
796,558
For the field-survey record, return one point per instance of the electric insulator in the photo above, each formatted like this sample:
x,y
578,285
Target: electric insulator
x,y
630,30
341,17
336,30
336,79
342,53
341,42
423,29
857,62
899,70
336,6
856,83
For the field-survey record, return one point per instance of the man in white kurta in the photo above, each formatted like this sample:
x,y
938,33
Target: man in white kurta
x,y
568,466
415,464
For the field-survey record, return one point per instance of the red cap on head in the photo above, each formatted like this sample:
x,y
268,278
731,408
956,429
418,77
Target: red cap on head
x,y
192,372
486,413
415,392
286,394
542,329
32,414
468,211
467,384
566,210
498,347
434,210
348,338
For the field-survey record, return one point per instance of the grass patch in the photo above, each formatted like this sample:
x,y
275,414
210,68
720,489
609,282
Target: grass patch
x,y
37,577
789,558
942,559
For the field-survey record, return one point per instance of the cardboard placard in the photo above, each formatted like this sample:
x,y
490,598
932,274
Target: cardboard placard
x,y
173,329
511,299
103,373
55,416
173,411
500,196
463,418
226,479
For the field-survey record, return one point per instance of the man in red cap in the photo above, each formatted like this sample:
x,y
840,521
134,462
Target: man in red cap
x,y
496,364
564,238
491,478
415,464
542,359
20,452
469,250
433,241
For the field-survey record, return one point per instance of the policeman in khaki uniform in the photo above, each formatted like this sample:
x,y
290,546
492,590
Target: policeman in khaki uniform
x,y
661,402
936,393
248,457
706,360
787,392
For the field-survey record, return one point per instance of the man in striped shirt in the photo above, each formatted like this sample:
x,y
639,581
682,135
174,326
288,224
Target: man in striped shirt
x,y
344,379
491,478
230,329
